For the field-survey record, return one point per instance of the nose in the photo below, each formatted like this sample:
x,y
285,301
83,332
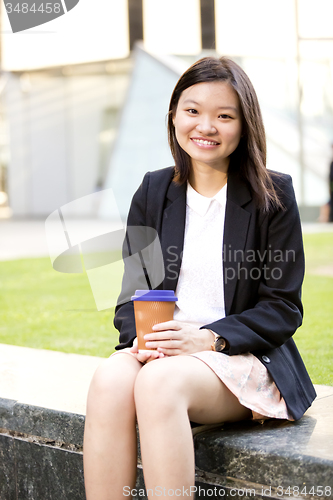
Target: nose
x,y
206,126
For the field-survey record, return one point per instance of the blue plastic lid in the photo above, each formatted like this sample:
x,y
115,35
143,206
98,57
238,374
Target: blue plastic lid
x,y
155,295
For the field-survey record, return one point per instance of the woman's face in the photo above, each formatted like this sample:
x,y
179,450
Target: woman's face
x,y
208,123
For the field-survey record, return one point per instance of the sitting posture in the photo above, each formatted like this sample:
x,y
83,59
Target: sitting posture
x,y
232,246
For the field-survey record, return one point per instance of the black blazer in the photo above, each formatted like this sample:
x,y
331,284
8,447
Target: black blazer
x,y
263,273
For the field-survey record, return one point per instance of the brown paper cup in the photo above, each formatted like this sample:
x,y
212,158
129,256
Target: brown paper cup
x,y
148,314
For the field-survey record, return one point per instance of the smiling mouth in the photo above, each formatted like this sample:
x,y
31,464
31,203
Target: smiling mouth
x,y
205,142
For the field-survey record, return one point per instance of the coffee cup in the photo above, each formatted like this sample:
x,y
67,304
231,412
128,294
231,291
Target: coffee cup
x,y
150,308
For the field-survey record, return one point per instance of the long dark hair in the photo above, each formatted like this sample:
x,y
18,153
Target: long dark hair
x,y
250,154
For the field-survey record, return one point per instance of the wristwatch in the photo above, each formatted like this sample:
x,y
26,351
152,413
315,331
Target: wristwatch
x,y
219,344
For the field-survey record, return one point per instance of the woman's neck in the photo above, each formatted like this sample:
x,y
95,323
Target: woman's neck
x,y
207,182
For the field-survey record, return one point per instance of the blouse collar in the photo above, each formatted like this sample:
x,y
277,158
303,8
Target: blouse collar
x,y
199,203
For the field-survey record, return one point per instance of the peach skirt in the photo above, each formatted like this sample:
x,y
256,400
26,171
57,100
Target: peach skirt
x,y
248,379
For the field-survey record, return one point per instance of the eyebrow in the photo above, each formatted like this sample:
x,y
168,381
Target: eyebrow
x,y
188,101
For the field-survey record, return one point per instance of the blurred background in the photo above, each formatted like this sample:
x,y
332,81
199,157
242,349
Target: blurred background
x,y
83,105
83,98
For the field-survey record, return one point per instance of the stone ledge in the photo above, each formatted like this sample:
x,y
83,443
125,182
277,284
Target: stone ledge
x,y
244,456
33,471
54,425
41,447
273,455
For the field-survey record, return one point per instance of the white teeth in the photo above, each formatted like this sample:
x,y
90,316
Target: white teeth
x,y
201,141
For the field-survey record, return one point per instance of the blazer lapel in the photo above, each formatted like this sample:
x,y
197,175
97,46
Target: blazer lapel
x,y
172,234
236,226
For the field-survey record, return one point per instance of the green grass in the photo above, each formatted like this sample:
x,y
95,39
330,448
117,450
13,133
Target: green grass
x,y
42,308
45,309
315,337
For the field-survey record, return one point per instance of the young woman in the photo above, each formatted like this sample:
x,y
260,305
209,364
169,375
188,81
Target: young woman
x,y
232,246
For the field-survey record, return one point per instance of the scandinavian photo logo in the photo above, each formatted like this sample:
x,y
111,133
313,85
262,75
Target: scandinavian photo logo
x,y
116,260
32,13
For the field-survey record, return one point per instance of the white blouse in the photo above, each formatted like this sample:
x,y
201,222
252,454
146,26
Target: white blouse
x,y
200,293
200,288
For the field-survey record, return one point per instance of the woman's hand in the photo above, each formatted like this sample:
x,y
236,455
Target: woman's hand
x,y
144,357
176,337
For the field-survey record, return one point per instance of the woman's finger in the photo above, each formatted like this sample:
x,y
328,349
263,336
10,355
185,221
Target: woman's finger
x,y
164,335
145,357
164,344
170,352
168,325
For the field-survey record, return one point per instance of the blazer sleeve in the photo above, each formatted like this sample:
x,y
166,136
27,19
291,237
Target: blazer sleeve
x,y
124,320
278,310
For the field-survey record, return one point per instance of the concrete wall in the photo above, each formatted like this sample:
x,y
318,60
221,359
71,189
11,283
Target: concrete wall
x,y
57,136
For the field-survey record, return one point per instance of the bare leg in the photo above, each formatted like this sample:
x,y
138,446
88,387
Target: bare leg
x,y
110,442
168,393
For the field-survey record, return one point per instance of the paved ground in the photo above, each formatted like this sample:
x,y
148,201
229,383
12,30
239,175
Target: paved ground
x,y
26,238
45,378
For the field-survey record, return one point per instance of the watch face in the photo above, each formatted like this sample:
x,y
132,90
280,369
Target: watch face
x,y
219,344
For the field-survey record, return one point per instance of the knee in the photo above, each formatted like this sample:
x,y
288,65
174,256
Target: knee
x,y
158,388
113,381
